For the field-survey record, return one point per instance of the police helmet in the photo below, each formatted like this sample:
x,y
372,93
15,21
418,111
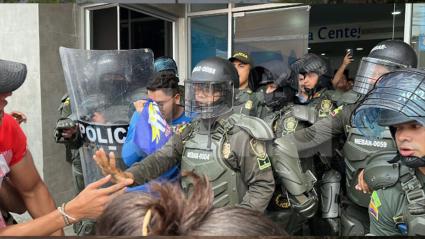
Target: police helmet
x,y
387,56
210,91
398,97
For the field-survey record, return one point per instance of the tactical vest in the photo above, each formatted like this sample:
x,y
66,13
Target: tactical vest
x,y
414,214
202,160
357,150
294,117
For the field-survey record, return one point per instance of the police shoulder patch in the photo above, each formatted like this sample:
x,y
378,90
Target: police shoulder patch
x,y
259,150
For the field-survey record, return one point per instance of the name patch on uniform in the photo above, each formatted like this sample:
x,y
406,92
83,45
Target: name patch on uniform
x,y
374,205
198,155
372,143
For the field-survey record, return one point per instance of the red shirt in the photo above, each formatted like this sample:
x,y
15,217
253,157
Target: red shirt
x,y
13,142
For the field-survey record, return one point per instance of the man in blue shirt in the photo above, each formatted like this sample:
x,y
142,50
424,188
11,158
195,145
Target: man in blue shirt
x,y
163,90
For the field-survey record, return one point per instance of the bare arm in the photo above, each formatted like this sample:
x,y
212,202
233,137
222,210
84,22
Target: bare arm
x,y
90,203
340,72
10,199
34,192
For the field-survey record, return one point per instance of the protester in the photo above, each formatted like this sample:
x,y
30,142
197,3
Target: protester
x,y
167,211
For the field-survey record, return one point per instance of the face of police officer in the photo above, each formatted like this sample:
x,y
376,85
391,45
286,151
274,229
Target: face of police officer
x,y
166,101
3,103
206,96
243,71
410,139
376,72
308,80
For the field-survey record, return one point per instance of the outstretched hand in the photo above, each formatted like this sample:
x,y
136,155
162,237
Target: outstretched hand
x,y
108,166
91,202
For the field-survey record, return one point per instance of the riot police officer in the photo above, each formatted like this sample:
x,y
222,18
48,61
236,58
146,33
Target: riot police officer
x,y
294,199
101,85
229,148
397,206
310,71
246,101
384,57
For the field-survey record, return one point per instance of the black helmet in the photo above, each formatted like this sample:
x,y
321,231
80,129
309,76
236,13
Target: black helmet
x,y
215,78
311,63
398,97
280,75
387,56
274,71
395,51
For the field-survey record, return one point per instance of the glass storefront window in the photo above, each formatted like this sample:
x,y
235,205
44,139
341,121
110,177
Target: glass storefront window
x,y
418,32
139,30
208,37
271,35
104,29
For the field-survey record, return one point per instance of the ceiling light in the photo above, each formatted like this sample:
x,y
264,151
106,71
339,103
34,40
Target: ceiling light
x,y
323,54
308,48
359,49
396,13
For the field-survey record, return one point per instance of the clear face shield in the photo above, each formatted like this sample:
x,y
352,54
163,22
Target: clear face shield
x,y
369,71
397,97
206,100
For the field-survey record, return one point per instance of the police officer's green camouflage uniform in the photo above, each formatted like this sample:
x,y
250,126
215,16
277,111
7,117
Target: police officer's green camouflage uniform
x,y
248,102
397,206
71,146
236,163
356,150
294,117
388,210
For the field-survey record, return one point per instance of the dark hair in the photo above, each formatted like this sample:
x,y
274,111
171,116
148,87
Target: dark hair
x,y
166,81
174,213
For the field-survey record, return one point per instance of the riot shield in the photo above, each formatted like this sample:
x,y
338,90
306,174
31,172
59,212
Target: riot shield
x,y
102,84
